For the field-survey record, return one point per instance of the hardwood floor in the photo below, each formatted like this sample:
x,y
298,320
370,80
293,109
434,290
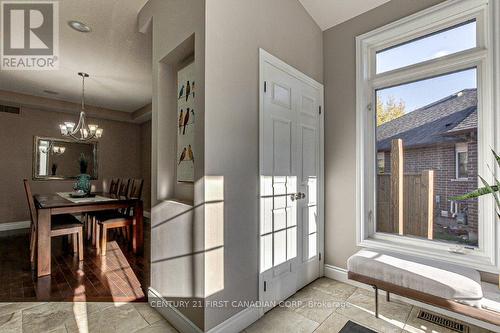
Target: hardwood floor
x,y
120,276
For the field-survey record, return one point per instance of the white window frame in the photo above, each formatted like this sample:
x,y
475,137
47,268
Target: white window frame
x,y
461,148
485,57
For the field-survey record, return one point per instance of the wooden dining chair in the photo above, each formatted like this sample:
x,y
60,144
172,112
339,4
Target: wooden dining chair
x,y
136,186
117,220
61,225
123,190
88,218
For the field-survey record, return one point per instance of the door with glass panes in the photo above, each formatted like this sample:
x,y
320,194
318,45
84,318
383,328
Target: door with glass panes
x,y
289,182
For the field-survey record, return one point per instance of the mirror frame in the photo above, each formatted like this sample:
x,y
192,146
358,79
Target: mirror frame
x,y
35,161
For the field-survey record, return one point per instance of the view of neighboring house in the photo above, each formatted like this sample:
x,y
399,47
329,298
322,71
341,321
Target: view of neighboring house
x,y
441,136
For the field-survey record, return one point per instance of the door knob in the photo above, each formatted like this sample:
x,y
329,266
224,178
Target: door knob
x,y
297,196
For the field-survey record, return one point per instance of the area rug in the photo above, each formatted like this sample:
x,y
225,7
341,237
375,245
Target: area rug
x,y
352,327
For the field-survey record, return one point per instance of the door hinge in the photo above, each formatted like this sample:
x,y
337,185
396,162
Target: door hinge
x,y
320,110
320,256
265,86
265,286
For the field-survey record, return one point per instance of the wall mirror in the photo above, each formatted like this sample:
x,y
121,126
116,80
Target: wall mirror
x,y
57,159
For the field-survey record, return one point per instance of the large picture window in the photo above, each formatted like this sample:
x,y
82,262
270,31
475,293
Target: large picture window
x,y
425,124
430,118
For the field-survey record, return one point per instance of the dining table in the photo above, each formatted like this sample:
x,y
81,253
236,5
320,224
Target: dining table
x,y
49,205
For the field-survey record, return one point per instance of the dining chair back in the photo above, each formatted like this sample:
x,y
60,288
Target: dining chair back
x,y
135,192
64,225
31,202
33,217
114,186
123,188
136,188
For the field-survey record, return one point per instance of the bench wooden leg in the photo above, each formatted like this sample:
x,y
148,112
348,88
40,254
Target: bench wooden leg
x,y
376,301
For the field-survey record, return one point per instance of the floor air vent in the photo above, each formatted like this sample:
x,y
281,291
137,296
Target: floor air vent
x,y
9,109
443,322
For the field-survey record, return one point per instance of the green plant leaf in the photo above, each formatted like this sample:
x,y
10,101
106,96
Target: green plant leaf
x,y
497,158
477,193
488,186
497,182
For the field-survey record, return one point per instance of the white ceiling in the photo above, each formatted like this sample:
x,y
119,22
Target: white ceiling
x,y
328,13
115,54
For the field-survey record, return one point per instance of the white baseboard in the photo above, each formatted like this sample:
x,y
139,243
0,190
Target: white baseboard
x,y
336,273
340,274
171,314
235,324
238,322
14,225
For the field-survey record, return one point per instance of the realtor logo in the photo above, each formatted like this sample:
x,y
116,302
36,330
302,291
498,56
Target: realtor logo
x,y
30,35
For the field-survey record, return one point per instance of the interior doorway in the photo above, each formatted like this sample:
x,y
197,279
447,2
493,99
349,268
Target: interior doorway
x,y
291,180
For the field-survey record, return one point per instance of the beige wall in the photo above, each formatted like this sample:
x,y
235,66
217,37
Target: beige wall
x,y
235,30
226,51
340,123
178,32
119,156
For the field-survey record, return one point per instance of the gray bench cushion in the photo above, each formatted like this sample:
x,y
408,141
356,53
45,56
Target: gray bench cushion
x,y
428,276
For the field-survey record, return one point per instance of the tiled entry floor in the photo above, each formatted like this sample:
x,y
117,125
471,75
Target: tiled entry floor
x,y
139,317
62,317
353,304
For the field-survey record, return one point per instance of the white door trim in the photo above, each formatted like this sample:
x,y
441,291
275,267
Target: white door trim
x,y
264,57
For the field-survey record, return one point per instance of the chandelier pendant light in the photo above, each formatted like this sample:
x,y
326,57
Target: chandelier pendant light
x,y
81,132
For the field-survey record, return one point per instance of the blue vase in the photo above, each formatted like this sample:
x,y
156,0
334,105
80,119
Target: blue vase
x,y
83,183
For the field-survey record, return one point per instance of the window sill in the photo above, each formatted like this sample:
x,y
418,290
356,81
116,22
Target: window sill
x,y
461,180
425,249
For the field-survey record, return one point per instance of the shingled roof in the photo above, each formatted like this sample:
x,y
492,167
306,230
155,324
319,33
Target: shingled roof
x,y
436,123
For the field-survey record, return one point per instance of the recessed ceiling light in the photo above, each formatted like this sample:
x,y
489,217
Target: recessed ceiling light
x,y
79,26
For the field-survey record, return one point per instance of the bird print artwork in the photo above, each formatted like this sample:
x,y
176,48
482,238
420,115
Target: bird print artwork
x,y
183,155
186,117
190,153
186,120
188,90
181,120
181,92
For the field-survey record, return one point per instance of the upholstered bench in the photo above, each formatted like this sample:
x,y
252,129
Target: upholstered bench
x,y
448,286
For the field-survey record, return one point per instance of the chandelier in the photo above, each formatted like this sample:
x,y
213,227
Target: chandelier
x,y
81,132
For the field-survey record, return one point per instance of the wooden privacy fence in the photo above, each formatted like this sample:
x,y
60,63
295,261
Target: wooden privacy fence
x,y
405,202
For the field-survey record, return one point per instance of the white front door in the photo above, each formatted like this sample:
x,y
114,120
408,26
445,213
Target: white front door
x,y
289,180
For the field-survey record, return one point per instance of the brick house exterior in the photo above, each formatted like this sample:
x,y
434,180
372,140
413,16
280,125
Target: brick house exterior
x,y
431,136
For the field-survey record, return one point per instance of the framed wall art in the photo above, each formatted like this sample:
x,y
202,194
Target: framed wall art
x,y
186,116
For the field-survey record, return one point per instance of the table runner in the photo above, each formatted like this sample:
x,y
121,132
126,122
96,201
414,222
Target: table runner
x,y
97,198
